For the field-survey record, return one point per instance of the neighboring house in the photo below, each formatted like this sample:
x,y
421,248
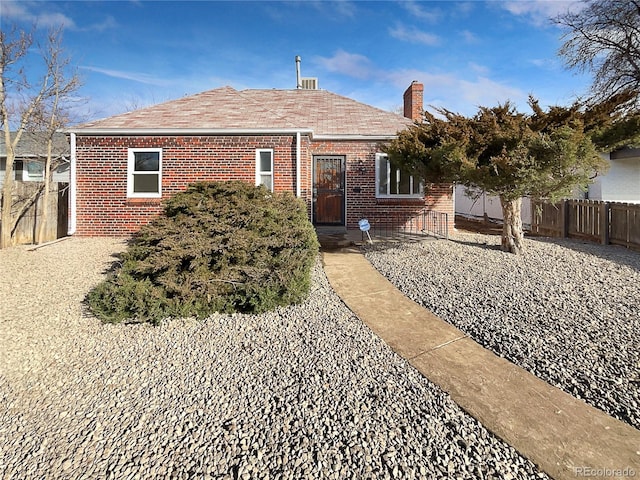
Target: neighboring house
x,y
30,157
621,183
28,202
323,147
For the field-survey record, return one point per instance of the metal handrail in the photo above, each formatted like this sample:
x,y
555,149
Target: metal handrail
x,y
409,224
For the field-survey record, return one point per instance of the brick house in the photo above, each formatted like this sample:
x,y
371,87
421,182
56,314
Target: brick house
x,y
323,147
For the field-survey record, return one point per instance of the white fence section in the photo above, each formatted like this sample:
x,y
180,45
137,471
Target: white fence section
x,y
486,206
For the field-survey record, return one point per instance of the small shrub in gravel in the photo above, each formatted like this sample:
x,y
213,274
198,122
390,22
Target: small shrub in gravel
x,y
219,247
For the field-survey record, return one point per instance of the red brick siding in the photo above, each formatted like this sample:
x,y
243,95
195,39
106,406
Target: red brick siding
x,y
103,208
361,198
413,98
102,204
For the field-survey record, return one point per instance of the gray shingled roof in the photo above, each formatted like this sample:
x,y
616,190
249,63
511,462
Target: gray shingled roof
x,y
35,145
323,112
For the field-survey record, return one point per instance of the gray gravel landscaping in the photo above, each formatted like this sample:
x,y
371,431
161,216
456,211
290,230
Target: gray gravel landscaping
x,y
567,311
306,391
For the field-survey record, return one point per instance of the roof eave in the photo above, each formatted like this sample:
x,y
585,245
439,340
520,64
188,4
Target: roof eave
x,y
376,137
224,131
184,131
625,153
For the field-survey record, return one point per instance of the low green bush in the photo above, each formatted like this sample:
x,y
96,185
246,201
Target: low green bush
x,y
218,247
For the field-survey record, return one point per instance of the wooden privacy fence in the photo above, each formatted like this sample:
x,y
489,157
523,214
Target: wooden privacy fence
x,y
602,222
25,232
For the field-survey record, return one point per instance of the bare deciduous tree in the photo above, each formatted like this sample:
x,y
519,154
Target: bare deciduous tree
x,y
52,115
30,100
604,39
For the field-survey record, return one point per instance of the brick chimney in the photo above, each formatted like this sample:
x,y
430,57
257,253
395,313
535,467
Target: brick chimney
x,y
413,97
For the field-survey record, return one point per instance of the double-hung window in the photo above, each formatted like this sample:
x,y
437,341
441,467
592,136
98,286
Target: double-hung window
x,y
144,179
393,182
264,168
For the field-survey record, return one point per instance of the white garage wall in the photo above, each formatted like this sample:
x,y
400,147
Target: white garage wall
x,y
621,183
486,204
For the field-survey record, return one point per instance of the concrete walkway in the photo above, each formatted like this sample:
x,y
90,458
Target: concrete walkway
x,y
564,436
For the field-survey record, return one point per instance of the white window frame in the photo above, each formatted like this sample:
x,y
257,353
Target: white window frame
x,y
260,173
29,177
131,171
387,173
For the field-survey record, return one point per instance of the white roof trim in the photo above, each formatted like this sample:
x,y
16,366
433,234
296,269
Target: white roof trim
x,y
221,131
185,131
354,137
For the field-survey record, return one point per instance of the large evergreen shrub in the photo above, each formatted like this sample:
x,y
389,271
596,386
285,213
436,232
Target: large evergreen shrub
x,y
219,247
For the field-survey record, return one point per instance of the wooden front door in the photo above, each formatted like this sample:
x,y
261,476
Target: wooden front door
x,y
328,190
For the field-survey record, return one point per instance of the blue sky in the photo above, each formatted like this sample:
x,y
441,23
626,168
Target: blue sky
x,y
131,54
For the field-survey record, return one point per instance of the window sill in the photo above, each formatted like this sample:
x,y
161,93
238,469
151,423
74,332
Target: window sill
x,y
399,200
143,201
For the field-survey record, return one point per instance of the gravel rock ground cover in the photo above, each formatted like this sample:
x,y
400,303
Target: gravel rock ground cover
x,y
303,392
569,312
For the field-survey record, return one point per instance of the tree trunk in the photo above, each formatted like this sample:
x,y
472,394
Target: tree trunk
x,y
44,218
512,235
7,194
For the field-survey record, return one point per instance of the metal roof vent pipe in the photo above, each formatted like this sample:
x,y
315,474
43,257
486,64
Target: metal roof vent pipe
x,y
298,80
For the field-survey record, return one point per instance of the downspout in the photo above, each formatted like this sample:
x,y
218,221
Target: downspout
x,y
72,187
298,163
